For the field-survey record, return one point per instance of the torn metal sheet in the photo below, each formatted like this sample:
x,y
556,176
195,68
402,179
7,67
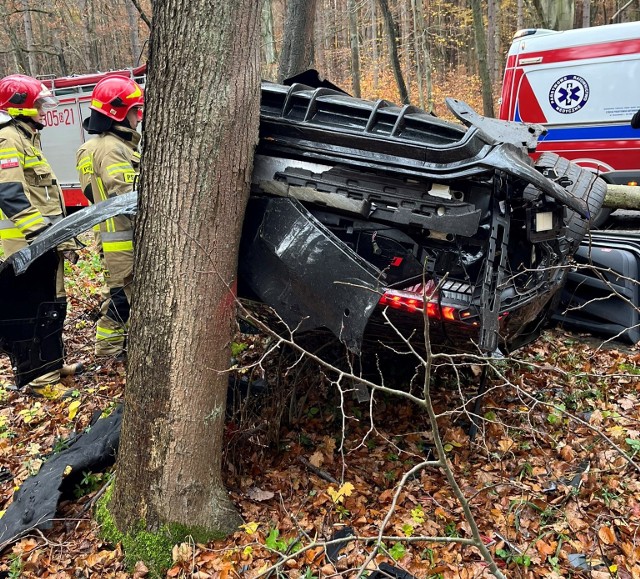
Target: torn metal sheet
x,y
299,268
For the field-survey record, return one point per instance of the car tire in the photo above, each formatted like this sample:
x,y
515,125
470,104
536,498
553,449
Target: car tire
x,y
585,185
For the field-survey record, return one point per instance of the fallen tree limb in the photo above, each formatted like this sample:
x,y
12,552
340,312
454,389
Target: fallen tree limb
x,y
622,197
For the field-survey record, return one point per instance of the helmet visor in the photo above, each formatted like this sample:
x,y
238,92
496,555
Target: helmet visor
x,y
46,103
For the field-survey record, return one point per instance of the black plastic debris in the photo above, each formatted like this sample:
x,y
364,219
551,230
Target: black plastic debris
x,y
35,503
333,550
386,571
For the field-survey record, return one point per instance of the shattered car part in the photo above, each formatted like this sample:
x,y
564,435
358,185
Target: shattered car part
x,y
285,253
462,225
366,212
35,502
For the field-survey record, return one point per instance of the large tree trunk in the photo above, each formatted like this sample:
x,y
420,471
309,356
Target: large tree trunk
x,y
392,36
296,55
202,108
481,48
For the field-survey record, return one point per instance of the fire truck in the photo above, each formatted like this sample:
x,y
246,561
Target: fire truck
x,y
64,133
582,86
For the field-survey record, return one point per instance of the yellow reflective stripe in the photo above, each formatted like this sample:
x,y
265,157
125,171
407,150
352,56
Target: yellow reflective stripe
x,y
33,162
118,168
13,233
85,165
108,334
114,246
11,152
29,221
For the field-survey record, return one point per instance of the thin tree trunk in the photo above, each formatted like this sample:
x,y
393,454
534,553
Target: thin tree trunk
x,y
296,55
586,13
392,35
28,37
136,51
186,248
355,47
405,44
491,38
520,16
375,54
481,49
268,39
419,48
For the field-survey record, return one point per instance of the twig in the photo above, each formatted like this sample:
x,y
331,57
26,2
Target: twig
x,y
323,474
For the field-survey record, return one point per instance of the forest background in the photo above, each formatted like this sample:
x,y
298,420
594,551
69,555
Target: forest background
x,y
436,40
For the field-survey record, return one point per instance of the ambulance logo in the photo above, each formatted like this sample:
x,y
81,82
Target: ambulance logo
x,y
569,94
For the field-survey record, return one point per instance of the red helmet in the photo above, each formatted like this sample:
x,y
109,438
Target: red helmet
x,y
114,96
21,95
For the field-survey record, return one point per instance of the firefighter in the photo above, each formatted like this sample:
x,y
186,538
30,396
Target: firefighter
x,y
116,110
30,197
84,166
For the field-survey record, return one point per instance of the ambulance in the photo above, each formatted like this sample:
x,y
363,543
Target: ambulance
x,y
583,86
63,132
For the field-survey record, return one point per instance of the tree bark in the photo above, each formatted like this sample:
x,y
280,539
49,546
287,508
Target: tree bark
x,y
375,55
392,36
558,14
622,197
481,48
268,39
355,47
136,51
296,55
418,47
202,107
28,37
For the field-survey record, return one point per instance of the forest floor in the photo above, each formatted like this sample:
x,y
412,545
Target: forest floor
x,y
552,476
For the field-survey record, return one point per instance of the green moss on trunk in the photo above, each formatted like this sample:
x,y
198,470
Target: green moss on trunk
x,y
154,548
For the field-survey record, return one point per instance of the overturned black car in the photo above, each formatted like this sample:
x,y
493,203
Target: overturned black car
x,y
359,208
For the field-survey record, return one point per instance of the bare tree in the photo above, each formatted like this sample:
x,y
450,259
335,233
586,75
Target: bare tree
x,y
203,110
355,47
297,45
481,49
132,15
392,35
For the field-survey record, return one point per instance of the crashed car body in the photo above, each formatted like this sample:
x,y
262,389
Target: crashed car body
x,y
363,213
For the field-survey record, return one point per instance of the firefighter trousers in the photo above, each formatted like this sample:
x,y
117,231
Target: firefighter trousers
x,y
113,325
11,246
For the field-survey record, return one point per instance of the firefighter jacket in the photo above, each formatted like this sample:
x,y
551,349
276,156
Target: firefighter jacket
x,y
84,166
30,197
116,164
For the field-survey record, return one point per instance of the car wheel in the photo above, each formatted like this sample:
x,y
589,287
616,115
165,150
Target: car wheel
x,y
583,184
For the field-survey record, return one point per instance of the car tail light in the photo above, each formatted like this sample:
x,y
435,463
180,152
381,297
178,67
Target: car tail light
x,y
413,302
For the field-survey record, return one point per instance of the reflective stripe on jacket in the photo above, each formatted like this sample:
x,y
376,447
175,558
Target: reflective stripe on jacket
x,y
30,197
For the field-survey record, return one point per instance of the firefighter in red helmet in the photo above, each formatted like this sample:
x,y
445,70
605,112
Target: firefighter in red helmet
x,y
113,161
30,197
